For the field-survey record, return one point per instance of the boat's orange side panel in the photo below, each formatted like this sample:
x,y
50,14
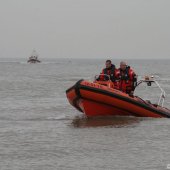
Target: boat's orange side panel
x,y
101,98
91,108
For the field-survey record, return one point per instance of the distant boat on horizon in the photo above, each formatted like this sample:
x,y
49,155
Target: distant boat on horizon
x,y
33,58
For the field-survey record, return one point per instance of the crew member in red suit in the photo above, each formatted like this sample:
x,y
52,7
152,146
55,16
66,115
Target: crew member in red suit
x,y
127,78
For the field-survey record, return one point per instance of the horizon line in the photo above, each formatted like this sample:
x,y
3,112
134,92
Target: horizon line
x,y
89,58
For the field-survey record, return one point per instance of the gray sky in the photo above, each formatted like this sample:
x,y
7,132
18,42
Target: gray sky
x,y
85,28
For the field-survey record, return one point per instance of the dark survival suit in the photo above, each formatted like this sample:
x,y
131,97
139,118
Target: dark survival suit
x,y
109,74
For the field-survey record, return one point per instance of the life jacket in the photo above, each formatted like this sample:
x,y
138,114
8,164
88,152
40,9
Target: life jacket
x,y
110,72
126,80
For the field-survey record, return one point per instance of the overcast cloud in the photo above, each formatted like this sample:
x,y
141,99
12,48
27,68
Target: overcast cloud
x,y
85,28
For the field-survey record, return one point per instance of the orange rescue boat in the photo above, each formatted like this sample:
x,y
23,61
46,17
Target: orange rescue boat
x,y
99,98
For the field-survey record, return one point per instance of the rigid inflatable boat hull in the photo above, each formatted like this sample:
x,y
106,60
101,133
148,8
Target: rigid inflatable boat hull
x,y
98,100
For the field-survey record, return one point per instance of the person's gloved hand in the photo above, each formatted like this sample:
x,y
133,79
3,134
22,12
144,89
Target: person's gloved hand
x,y
131,94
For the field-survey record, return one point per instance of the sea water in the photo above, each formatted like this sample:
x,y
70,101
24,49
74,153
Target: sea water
x,y
40,130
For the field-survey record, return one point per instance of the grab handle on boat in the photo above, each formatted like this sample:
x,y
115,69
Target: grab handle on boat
x,y
149,80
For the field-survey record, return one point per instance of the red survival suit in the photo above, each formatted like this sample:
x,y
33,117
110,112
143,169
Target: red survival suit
x,y
127,80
